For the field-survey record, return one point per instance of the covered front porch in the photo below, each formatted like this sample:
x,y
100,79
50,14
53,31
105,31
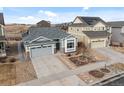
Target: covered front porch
x,y
2,49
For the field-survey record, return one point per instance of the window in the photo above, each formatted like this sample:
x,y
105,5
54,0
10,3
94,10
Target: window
x,y
103,28
70,44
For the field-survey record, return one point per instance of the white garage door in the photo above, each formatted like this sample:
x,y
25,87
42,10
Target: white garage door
x,y
98,44
41,51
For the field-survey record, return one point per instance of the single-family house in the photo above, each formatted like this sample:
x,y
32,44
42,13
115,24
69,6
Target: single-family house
x,y
2,37
92,31
44,23
117,30
41,41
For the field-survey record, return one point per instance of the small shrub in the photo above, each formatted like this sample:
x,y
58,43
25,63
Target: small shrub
x,y
105,70
3,58
12,60
96,73
2,61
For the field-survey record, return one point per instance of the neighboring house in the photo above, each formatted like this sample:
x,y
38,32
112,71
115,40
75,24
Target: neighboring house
x,y
46,41
44,23
92,31
117,30
2,36
63,26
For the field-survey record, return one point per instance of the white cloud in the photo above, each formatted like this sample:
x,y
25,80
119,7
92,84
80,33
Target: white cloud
x,y
41,11
1,8
85,8
26,17
48,13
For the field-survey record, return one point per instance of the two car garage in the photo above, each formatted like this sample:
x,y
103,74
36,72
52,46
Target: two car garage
x,y
41,51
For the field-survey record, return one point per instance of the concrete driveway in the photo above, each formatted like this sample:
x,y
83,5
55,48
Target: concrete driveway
x,y
113,55
51,71
48,65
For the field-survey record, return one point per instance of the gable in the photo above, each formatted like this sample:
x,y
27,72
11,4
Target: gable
x,y
40,39
68,37
100,24
77,20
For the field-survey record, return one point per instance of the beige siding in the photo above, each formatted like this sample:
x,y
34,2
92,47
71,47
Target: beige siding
x,y
99,27
77,20
78,32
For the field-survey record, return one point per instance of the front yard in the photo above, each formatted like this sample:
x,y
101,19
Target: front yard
x,y
82,57
101,74
12,71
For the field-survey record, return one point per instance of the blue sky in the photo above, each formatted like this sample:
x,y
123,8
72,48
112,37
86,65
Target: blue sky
x,y
32,15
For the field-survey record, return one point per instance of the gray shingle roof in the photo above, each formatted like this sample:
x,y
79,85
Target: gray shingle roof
x,y
96,34
116,23
50,33
2,19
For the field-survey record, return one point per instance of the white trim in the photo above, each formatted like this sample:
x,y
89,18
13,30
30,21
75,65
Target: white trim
x,y
39,38
70,49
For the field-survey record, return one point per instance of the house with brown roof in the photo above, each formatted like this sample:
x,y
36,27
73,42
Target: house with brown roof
x,y
92,31
44,23
2,36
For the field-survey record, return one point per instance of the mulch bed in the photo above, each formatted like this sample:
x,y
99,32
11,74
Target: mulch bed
x,y
96,73
79,61
105,70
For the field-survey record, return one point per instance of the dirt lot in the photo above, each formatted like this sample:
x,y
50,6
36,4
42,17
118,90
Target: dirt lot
x,y
16,28
14,72
118,49
11,74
